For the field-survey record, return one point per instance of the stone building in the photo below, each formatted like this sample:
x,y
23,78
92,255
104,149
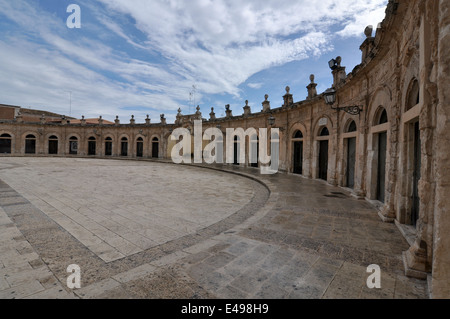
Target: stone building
x,y
384,139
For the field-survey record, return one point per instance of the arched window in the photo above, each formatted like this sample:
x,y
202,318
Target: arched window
x,y
155,147
324,132
30,144
108,146
352,127
298,134
5,144
413,97
140,147
383,117
92,145
124,146
73,145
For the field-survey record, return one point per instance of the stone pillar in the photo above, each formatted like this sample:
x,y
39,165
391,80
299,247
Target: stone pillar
x,y
420,256
117,121
83,121
441,249
147,120
132,121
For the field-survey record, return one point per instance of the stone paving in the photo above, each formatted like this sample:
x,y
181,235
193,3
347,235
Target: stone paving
x,y
141,229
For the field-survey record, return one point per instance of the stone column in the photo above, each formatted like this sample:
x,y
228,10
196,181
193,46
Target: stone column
x,y
419,257
441,250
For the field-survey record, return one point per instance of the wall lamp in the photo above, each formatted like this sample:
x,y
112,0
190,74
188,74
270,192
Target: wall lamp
x,y
330,98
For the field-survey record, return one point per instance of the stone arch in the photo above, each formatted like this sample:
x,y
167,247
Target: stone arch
x,y
6,142
381,98
412,97
27,144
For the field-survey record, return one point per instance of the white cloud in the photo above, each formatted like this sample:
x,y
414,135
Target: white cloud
x,y
217,44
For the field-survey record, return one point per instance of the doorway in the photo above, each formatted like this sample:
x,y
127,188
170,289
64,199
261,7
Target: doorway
x,y
381,178
351,162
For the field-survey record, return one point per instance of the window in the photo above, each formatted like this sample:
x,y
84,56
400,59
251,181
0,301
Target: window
x,y
73,145
5,144
324,132
383,117
298,134
30,144
53,145
352,127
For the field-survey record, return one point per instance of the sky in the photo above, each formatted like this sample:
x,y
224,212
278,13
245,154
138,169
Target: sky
x,y
139,57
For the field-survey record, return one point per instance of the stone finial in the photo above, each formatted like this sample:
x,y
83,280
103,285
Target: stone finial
x,y
132,120
147,120
179,110
247,109
117,121
228,111
339,61
288,98
312,91
368,31
83,121
100,120
212,115
163,119
266,103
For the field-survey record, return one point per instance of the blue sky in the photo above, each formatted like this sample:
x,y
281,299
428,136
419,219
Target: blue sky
x,y
138,57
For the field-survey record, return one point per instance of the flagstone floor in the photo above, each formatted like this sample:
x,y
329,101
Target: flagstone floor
x,y
144,229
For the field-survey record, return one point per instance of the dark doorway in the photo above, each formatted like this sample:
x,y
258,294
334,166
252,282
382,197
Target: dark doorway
x,y
140,147
351,162
124,147
155,147
381,180
92,145
30,144
416,175
53,145
236,150
298,158
255,149
108,146
5,144
323,160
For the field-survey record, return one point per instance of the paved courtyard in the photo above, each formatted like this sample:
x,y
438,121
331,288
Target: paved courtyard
x,y
140,229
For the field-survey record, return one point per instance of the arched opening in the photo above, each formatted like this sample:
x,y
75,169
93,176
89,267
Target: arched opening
x,y
352,127
140,147
92,145
5,144
124,146
236,151
155,147
298,152
108,146
383,117
73,145
413,97
254,151
351,156
323,154
53,145
382,155
30,144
